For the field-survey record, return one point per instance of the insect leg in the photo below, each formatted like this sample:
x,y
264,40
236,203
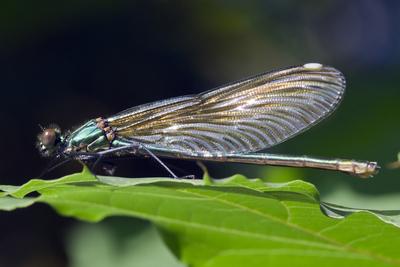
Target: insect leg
x,y
99,158
54,165
137,146
158,160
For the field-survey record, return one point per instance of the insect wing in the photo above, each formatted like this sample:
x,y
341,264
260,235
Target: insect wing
x,y
246,116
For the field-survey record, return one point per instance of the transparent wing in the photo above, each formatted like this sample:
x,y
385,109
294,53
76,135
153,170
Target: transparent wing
x,y
245,116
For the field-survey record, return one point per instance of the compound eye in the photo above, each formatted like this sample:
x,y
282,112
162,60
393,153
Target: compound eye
x,y
48,137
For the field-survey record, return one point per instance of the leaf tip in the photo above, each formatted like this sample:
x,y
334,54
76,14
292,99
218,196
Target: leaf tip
x,y
206,176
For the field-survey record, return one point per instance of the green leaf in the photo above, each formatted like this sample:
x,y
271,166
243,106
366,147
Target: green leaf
x,y
230,222
11,203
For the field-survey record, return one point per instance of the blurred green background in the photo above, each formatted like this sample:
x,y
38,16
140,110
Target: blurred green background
x,y
65,62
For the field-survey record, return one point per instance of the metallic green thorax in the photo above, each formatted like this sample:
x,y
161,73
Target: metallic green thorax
x,y
89,137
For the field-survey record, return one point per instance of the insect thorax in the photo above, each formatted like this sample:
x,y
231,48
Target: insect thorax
x,y
87,138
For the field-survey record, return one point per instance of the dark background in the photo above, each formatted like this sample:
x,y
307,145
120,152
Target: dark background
x,y
66,62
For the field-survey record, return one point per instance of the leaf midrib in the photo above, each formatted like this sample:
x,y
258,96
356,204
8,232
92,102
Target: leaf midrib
x,y
342,246
334,244
190,224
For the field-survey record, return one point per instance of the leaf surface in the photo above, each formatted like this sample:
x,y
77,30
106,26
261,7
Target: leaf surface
x,y
230,222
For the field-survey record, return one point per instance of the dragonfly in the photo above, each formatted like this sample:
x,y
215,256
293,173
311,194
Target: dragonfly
x,y
231,123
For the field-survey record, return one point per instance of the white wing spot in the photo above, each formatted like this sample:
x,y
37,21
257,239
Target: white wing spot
x,y
312,66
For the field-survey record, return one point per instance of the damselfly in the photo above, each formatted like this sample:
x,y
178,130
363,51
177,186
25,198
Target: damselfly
x,y
227,124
